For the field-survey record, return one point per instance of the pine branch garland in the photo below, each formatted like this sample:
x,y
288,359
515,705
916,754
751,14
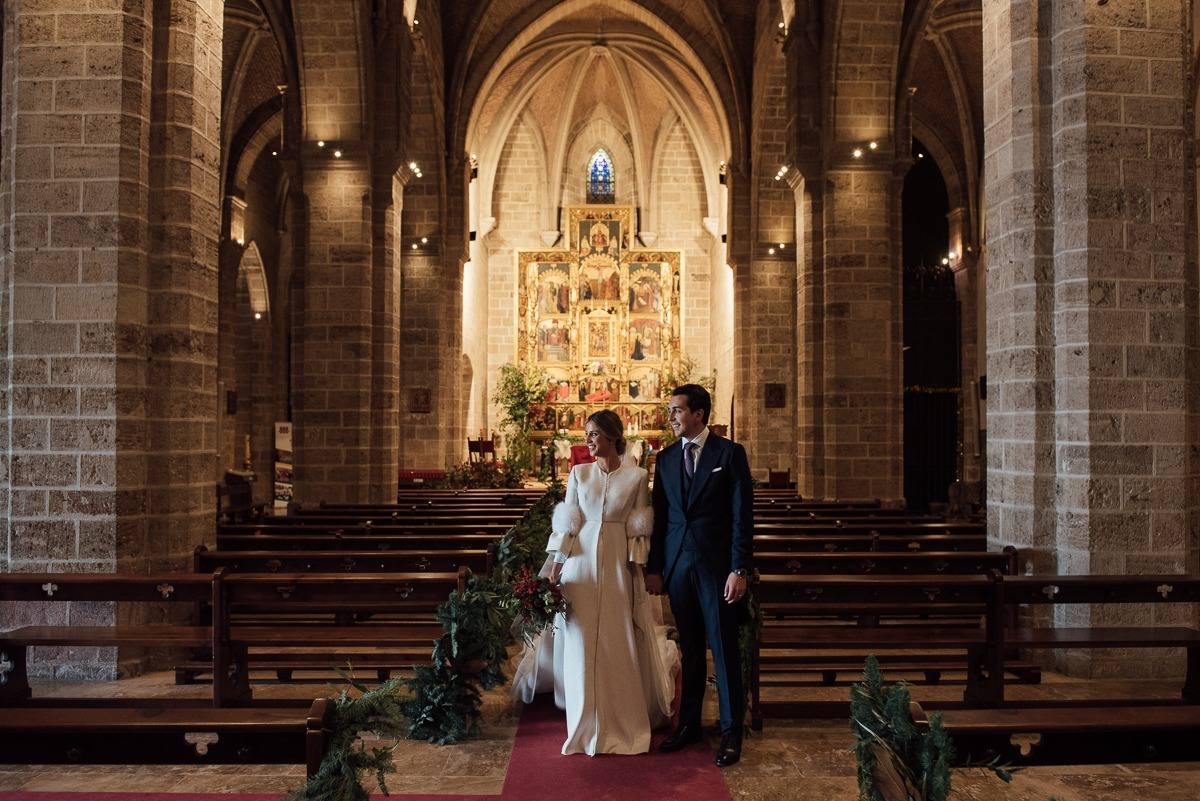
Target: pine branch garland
x,y
441,704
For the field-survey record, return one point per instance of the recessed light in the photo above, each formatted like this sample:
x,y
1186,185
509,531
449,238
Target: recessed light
x,y
414,246
424,240
258,315
857,153
337,154
873,145
320,143
771,251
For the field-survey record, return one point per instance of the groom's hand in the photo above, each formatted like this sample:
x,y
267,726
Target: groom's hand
x,y
653,584
735,588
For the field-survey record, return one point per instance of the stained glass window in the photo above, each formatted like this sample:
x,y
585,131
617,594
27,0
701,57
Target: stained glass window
x,y
601,185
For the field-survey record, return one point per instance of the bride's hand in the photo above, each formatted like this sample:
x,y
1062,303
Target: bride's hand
x,y
556,572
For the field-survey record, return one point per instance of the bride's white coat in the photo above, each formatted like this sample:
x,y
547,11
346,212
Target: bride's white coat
x,y
609,663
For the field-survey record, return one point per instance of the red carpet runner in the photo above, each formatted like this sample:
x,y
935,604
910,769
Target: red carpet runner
x,y
536,772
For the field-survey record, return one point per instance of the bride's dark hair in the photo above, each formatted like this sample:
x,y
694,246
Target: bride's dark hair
x,y
610,425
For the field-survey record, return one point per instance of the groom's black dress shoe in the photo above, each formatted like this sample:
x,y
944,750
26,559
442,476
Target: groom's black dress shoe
x,y
731,749
685,735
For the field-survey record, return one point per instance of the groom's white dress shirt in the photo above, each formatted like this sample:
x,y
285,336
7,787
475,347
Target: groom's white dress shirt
x,y
699,439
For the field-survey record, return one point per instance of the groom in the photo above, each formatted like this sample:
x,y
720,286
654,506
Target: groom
x,y
701,553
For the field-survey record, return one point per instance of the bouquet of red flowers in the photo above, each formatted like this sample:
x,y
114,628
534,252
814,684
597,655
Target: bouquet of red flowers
x,y
536,602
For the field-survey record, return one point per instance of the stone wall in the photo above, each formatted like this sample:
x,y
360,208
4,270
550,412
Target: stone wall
x,y
1092,297
110,225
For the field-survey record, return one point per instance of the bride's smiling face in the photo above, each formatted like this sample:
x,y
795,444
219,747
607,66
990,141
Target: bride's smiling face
x,y
598,445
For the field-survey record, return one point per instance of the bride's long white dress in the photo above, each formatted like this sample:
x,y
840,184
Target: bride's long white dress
x,y
609,663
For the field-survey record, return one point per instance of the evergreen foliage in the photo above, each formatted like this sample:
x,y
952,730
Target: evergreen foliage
x,y
884,730
441,703
358,709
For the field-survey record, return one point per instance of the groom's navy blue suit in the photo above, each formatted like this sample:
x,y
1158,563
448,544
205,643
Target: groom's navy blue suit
x,y
703,530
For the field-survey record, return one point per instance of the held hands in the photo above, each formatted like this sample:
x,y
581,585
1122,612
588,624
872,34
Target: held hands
x,y
556,572
735,588
654,584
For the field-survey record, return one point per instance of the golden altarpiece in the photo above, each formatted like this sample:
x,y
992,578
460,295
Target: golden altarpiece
x,y
602,320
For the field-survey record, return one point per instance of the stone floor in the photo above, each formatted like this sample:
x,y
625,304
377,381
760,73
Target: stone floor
x,y
796,760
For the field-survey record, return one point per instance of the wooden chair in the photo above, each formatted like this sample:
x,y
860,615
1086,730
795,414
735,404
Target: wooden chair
x,y
480,450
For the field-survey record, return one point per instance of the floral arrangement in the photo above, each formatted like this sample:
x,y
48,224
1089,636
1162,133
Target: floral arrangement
x,y
535,603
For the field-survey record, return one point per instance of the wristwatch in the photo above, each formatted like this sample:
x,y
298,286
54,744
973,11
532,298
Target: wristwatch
x,y
741,572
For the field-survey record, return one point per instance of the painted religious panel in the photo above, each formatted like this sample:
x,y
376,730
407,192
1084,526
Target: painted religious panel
x,y
601,319
554,289
600,328
553,341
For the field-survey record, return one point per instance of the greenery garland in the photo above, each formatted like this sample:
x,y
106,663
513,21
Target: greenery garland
x,y
896,760
357,709
441,704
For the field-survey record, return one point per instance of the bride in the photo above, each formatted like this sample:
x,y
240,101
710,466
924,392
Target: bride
x,y
609,662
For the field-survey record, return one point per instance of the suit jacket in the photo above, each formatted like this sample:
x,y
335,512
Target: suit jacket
x,y
717,514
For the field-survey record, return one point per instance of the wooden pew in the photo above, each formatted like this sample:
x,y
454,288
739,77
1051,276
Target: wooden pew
x,y
1107,734
384,526
414,560
192,589
865,528
832,543
819,596
177,735
383,620
866,563
1057,731
339,540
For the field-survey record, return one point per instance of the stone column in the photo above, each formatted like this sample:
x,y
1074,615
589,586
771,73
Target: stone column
x,y
334,331
1092,296
965,265
862,370
108,187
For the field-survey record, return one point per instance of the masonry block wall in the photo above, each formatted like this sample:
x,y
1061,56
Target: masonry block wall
x,y
517,199
679,186
1092,298
766,292
110,225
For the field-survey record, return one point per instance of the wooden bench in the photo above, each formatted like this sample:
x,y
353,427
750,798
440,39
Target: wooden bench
x,y
340,540
960,645
287,622
1011,592
414,560
868,562
1135,731
158,735
192,589
870,542
318,524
